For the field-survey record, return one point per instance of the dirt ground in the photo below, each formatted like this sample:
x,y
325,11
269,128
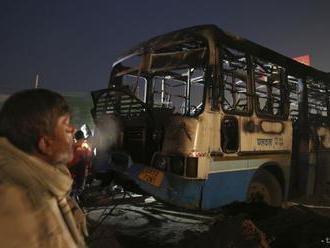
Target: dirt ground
x,y
137,221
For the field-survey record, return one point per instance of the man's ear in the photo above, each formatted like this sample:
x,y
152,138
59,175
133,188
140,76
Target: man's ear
x,y
44,145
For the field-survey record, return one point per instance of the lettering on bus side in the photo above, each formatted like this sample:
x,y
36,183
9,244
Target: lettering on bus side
x,y
278,141
264,142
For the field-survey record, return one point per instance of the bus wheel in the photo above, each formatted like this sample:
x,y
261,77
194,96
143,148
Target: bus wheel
x,y
264,187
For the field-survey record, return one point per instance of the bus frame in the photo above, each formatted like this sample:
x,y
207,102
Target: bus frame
x,y
259,133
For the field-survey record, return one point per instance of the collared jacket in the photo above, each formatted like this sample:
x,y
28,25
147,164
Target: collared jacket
x,y
35,207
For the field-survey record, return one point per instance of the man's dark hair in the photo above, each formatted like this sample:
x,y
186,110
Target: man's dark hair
x,y
79,135
27,115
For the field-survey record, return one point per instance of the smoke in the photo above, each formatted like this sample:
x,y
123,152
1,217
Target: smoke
x,y
108,133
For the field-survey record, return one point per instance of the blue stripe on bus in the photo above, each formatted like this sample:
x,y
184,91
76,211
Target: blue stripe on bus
x,y
174,189
225,187
218,190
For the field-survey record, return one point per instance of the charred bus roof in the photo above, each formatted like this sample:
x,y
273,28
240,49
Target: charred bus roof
x,y
212,36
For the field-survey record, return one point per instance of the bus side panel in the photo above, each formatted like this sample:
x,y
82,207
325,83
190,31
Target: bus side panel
x,y
322,185
310,174
222,188
322,162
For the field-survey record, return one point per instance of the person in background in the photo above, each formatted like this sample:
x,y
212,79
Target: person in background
x,y
80,165
35,145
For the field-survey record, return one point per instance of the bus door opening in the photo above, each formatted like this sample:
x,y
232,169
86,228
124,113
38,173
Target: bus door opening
x,y
229,135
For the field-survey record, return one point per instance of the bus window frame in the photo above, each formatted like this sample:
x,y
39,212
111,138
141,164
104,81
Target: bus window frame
x,y
204,92
298,99
249,93
283,93
147,70
317,118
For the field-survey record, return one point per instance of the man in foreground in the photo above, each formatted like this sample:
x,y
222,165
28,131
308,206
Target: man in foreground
x,y
35,145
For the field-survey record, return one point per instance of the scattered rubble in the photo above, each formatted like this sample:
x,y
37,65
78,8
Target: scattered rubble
x,y
138,221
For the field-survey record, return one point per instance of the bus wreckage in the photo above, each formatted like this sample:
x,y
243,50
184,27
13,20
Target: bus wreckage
x,y
200,118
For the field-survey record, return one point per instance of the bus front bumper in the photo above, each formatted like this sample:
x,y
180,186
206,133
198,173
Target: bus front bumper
x,y
167,187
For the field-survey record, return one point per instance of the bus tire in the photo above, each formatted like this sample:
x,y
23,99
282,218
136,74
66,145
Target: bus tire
x,y
264,187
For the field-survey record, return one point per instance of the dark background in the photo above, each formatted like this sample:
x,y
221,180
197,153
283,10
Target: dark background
x,y
73,43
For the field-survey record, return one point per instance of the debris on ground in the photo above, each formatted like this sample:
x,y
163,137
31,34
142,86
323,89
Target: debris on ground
x,y
140,221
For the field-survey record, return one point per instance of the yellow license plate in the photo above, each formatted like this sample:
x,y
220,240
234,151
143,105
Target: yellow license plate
x,y
151,176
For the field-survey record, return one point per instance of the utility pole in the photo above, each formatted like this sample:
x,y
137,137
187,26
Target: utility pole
x,y
36,83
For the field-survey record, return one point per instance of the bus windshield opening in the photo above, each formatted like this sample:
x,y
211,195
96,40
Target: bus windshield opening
x,y
172,78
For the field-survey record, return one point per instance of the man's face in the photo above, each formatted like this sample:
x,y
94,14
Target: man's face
x,y
59,144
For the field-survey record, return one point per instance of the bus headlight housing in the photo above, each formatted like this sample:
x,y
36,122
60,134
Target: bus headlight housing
x,y
160,162
176,164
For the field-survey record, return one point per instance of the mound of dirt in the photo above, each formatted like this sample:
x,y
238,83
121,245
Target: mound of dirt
x,y
297,226
251,225
237,231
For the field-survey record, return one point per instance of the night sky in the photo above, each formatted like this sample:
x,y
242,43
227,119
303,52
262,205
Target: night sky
x,y
72,44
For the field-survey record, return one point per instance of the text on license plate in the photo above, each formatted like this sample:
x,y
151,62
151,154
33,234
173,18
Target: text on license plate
x,y
151,176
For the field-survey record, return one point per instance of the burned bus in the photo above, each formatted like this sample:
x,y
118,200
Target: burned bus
x,y
204,118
